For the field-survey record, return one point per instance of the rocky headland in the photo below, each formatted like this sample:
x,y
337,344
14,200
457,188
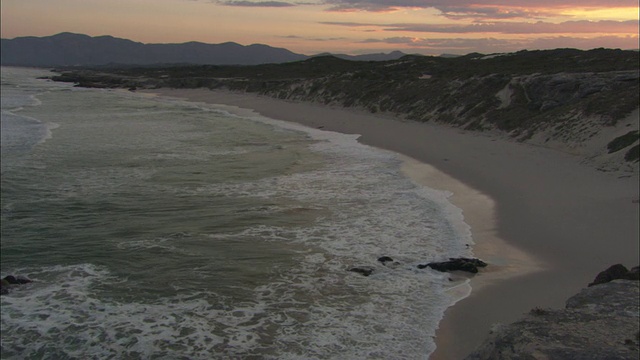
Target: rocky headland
x,y
600,322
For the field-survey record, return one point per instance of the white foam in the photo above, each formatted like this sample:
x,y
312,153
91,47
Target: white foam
x,y
369,209
297,317
356,206
372,210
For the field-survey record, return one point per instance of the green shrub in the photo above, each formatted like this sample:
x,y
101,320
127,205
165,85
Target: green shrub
x,y
633,154
623,141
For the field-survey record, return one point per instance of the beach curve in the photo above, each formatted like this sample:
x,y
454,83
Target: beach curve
x,y
539,216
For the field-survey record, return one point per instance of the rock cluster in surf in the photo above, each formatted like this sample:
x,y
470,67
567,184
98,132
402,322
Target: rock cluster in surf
x,y
456,264
8,281
470,265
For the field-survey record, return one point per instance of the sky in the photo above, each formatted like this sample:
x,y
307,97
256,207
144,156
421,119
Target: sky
x,y
430,27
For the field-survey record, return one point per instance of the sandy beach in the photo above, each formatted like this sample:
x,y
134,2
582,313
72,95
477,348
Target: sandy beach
x,y
546,223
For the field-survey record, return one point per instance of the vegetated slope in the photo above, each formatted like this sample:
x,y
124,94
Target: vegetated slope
x,y
578,101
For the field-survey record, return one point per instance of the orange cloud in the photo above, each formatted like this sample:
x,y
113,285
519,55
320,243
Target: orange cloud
x,y
540,27
481,9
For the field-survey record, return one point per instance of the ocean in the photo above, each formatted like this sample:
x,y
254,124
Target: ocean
x,y
157,228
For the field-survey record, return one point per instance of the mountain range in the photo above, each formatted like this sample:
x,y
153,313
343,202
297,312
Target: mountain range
x,y
68,49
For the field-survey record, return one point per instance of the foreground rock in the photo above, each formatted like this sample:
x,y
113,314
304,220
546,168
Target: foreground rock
x,y
8,281
456,264
616,272
600,322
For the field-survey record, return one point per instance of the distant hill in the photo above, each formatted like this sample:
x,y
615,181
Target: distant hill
x,y
68,49
394,55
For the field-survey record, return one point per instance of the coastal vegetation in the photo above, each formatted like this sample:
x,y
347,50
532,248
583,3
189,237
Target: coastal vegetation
x,y
623,141
565,95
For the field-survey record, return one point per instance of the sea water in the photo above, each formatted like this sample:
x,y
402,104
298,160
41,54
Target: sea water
x,y
162,229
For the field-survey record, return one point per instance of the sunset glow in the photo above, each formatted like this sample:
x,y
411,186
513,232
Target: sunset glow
x,y
340,26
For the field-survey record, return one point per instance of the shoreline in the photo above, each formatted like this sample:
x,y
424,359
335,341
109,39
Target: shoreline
x,y
544,222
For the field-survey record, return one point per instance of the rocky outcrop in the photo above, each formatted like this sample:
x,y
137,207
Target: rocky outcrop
x,y
616,272
8,281
600,322
456,264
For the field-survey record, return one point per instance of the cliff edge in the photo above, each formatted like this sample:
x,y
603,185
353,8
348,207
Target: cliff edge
x,y
600,322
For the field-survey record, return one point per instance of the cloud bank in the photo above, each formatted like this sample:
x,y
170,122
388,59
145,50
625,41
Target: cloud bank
x,y
480,9
540,27
256,3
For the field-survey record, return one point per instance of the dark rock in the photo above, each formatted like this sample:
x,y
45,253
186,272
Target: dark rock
x,y
385,259
21,279
614,272
597,323
363,270
456,264
476,262
4,287
9,280
633,274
